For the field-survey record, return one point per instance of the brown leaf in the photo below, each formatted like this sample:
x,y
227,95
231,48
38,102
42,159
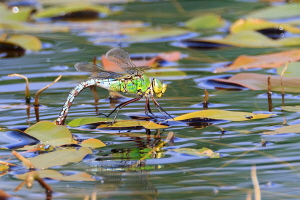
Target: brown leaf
x,y
255,81
273,60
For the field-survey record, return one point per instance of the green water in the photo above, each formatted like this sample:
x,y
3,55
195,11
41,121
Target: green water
x,y
168,175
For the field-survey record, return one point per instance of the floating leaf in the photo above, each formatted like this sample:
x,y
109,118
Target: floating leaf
x,y
222,115
59,176
92,143
197,152
293,70
291,108
88,120
272,60
21,14
32,27
207,21
28,42
288,10
250,39
255,81
66,10
51,134
259,24
133,123
286,129
59,157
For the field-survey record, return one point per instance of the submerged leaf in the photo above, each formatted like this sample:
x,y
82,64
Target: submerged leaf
x,y
59,176
59,157
222,115
51,134
272,60
285,129
197,152
255,81
207,21
133,123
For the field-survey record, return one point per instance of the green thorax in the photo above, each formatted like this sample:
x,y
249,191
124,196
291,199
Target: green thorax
x,y
132,84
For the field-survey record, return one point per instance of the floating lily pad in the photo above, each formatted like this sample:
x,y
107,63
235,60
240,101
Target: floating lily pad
x,y
221,115
88,120
260,24
92,143
133,123
13,14
250,39
74,11
198,152
255,81
273,60
59,157
51,134
28,42
285,129
59,176
288,10
291,108
293,70
207,21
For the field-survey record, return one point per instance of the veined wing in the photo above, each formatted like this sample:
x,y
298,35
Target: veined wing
x,y
96,71
122,59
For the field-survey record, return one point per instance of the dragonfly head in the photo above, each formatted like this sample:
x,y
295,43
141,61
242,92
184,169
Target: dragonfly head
x,y
158,87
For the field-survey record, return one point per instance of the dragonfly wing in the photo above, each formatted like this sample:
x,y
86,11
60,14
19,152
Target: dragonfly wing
x,y
96,71
122,59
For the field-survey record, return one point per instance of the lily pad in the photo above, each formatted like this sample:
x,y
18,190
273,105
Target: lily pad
x,y
59,157
291,108
207,21
13,14
198,152
28,42
59,176
51,134
134,123
288,10
221,115
286,129
272,60
250,39
92,143
88,120
293,70
259,24
65,11
255,81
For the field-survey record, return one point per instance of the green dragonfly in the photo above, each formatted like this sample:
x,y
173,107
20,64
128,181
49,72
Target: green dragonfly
x,y
134,82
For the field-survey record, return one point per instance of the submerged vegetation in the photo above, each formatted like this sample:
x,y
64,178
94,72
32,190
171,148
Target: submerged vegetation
x,y
210,136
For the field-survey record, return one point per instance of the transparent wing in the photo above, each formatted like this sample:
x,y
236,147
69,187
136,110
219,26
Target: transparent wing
x,y
96,71
122,59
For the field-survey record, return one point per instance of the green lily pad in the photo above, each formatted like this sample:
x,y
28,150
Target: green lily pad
x,y
291,108
277,12
285,129
59,157
207,21
66,9
133,123
92,143
198,152
89,120
13,14
293,70
28,42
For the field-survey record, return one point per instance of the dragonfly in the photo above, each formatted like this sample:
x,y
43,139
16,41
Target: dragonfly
x,y
133,82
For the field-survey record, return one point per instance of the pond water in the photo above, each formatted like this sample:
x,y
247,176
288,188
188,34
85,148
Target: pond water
x,y
167,174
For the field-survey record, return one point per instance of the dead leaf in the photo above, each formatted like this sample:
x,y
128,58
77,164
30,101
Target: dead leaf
x,y
221,115
272,60
255,81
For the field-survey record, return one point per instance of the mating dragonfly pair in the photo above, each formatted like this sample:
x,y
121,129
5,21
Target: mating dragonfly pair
x,y
135,82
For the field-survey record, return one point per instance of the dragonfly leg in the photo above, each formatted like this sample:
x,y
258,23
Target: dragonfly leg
x,y
148,109
160,109
120,106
